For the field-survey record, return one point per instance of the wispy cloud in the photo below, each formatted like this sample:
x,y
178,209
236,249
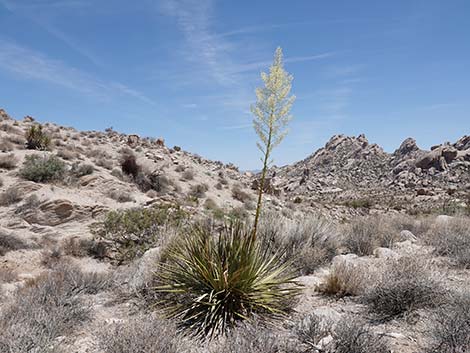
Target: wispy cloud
x,y
41,11
30,64
237,127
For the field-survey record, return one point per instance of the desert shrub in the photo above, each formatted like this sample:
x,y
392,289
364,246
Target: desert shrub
x,y
450,329
359,203
105,163
78,170
129,233
84,247
254,338
209,282
365,234
8,161
6,146
46,308
352,335
198,191
310,329
120,195
129,165
67,154
10,196
406,285
42,168
452,238
37,139
7,275
188,174
158,182
240,195
141,334
345,278
311,242
30,203
11,242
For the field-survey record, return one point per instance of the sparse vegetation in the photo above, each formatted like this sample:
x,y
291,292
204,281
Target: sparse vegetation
x,y
141,334
40,169
345,279
78,170
209,282
129,165
46,308
353,335
240,195
365,234
407,284
452,238
8,161
129,233
198,191
11,242
10,196
188,174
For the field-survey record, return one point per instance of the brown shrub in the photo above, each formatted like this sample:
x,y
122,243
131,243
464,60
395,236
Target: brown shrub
x,y
129,165
8,161
239,194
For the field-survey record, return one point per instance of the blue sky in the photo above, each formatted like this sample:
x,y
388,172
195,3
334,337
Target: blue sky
x,y
186,70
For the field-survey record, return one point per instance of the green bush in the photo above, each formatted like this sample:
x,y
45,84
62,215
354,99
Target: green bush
x,y
209,282
129,233
37,139
42,168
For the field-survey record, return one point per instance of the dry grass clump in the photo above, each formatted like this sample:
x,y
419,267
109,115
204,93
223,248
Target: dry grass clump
x,y
310,329
450,330
10,196
11,242
8,161
105,163
46,308
120,195
353,335
452,238
407,284
8,275
6,146
67,154
365,234
254,338
79,247
188,174
141,334
198,191
240,195
42,168
345,279
80,169
311,242
29,203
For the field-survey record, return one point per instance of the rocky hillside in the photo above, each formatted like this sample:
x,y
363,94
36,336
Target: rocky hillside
x,y
350,169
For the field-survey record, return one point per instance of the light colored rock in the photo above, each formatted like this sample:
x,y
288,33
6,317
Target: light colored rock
x,y
385,253
407,235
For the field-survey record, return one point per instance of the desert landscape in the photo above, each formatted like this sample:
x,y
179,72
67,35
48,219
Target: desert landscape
x,y
206,176
380,243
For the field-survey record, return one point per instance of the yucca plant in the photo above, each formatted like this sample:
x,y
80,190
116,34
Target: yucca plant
x,y
37,139
210,282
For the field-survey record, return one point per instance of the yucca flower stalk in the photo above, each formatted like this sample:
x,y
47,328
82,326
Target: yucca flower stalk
x,y
272,114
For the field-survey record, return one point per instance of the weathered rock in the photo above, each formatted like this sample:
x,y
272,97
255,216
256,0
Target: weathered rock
x,y
385,253
133,140
51,213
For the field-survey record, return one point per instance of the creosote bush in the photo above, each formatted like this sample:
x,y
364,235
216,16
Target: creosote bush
x,y
45,168
129,233
37,139
407,284
198,191
209,282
